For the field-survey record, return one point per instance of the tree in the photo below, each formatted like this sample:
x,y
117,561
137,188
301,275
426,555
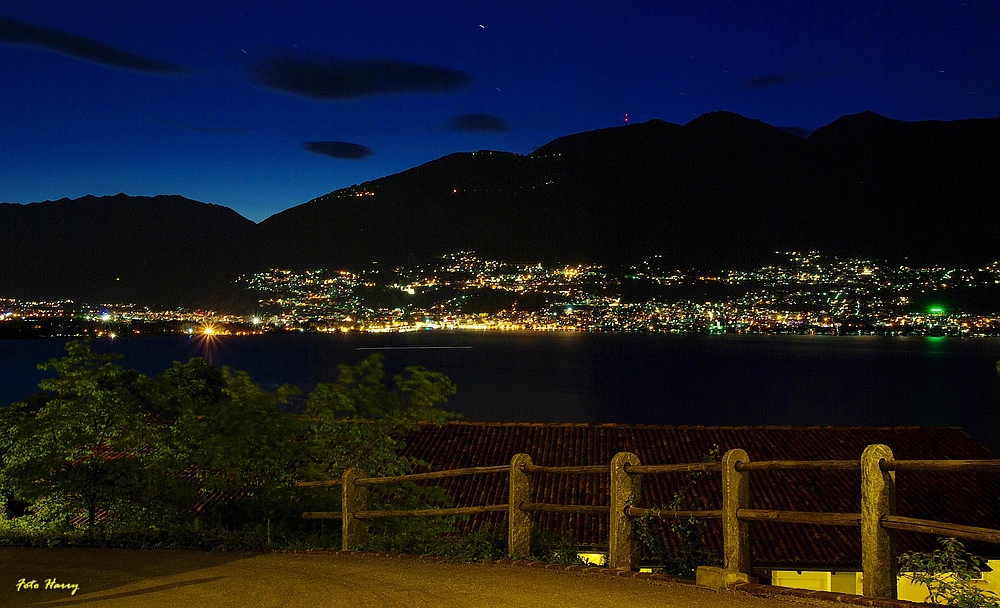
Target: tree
x,y
228,436
358,422
200,446
145,451
83,443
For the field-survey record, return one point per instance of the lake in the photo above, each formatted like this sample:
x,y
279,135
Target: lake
x,y
623,378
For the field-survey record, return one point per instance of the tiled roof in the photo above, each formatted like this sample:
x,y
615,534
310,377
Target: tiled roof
x,y
106,453
969,498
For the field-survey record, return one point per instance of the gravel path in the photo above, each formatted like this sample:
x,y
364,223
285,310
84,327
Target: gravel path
x,y
175,578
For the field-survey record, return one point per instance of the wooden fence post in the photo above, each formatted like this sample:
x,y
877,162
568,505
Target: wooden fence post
x,y
623,550
518,521
735,496
354,498
878,544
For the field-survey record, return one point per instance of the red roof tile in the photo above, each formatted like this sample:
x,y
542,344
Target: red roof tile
x,y
970,498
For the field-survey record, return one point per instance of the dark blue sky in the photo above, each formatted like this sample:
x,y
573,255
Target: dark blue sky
x,y
261,106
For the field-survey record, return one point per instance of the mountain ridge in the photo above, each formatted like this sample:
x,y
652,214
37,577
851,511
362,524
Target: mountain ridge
x,y
721,191
165,249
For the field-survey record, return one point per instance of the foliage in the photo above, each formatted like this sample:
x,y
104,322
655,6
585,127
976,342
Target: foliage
x,y
488,543
201,455
229,436
693,549
948,573
14,533
83,440
560,548
358,422
408,534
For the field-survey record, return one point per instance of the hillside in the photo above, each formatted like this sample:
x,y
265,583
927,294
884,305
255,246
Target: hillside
x,y
166,250
721,191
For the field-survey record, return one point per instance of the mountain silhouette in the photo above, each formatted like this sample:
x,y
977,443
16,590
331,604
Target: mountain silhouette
x,y
721,191
165,250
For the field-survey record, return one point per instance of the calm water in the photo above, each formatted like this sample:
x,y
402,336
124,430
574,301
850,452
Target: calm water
x,y
628,378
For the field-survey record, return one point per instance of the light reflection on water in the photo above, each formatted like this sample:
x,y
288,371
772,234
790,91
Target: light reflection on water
x,y
626,378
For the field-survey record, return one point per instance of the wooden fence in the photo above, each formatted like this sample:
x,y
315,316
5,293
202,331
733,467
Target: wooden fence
x,y
877,519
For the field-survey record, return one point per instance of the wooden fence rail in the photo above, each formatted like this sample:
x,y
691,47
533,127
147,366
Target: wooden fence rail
x,y
927,526
594,469
436,512
801,517
876,519
322,514
326,483
374,481
690,467
672,514
545,507
945,466
799,465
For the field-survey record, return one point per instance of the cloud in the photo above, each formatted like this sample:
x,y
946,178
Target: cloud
x,y
18,32
773,80
337,78
478,123
339,149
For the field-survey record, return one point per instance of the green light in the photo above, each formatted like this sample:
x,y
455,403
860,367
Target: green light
x,y
936,310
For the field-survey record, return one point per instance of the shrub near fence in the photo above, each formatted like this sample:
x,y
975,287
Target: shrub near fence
x,y
876,518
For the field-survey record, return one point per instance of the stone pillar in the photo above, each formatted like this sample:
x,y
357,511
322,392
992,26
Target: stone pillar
x,y
878,544
735,496
354,498
518,521
623,550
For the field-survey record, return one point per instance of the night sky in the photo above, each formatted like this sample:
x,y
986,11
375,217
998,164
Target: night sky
x,y
261,106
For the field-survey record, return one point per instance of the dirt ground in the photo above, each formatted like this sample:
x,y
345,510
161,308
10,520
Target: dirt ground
x,y
175,578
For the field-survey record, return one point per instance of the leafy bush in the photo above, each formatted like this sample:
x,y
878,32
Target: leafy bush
x,y
556,548
488,543
948,573
203,455
358,421
694,550
420,535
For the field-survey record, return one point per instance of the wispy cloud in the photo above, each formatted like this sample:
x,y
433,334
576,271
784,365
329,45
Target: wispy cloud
x,y
338,78
774,80
17,32
478,123
339,149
